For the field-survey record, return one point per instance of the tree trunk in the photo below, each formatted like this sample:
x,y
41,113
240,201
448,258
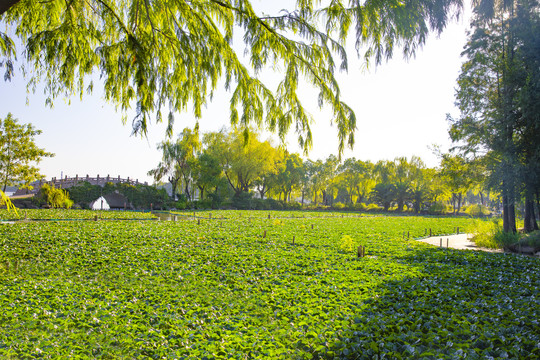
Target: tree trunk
x,y
538,204
530,223
202,192
509,211
187,191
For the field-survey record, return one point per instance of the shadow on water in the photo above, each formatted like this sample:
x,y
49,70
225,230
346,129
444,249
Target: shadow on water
x,y
462,305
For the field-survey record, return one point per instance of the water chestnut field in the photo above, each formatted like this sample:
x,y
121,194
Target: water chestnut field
x,y
240,285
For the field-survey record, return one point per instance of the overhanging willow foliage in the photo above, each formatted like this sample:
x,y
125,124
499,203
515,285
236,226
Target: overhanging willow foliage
x,y
173,53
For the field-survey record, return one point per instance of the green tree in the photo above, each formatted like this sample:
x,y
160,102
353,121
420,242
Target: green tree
x,y
18,151
383,194
356,178
159,54
242,156
498,95
178,159
53,197
206,172
290,176
456,172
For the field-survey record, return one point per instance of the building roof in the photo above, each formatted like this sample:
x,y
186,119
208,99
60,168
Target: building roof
x,y
117,201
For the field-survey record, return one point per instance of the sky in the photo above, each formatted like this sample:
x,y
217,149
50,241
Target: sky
x,y
400,106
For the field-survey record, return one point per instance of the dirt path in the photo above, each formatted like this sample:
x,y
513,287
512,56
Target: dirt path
x,y
460,242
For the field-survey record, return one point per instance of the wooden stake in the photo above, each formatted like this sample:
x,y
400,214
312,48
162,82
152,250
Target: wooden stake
x,y
264,236
198,221
311,226
293,239
441,243
447,243
269,216
430,232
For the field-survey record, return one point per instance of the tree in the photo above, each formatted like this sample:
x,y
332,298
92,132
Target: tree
x,y
163,53
242,156
383,194
178,160
455,170
498,95
206,172
55,198
356,178
290,176
17,152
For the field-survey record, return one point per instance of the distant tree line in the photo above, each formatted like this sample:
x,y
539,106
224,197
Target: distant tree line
x,y
237,169
140,196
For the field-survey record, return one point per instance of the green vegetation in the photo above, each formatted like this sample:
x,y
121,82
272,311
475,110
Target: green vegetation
x,y
490,234
223,169
498,95
152,55
54,214
240,288
56,198
140,196
18,151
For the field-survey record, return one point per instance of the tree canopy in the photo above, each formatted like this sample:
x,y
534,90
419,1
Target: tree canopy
x,y
499,95
155,55
18,151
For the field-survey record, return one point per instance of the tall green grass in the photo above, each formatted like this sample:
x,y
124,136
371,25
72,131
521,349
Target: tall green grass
x,y
490,234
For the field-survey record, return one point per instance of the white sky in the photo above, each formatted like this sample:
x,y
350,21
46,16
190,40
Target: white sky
x,y
400,107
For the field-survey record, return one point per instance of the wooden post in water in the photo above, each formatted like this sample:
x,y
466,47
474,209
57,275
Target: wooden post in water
x,y
198,221
264,235
293,239
429,232
408,235
311,226
269,216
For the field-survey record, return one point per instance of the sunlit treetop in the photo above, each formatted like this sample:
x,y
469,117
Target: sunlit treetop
x,y
165,56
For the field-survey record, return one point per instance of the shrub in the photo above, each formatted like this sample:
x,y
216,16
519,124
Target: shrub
x,y
438,208
476,210
346,243
293,205
202,204
243,201
53,197
531,239
339,206
489,234
373,207
505,239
